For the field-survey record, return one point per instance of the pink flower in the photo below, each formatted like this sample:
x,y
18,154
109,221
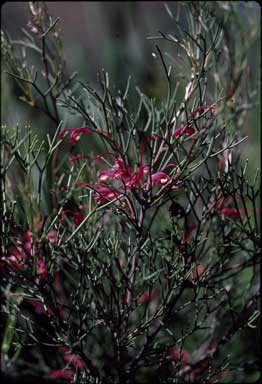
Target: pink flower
x,y
17,257
70,358
105,194
230,211
63,348
179,354
148,295
160,178
75,361
138,176
28,236
225,200
77,157
75,133
74,136
41,269
65,212
60,373
105,175
189,130
122,170
103,133
227,211
52,236
197,272
78,218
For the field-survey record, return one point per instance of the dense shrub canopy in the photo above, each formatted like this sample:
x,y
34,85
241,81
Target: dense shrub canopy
x,y
130,242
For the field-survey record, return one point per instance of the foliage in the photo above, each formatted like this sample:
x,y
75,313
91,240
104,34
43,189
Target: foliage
x,y
133,256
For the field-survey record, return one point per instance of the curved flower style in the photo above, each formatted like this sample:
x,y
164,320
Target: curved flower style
x,y
75,134
189,130
160,178
135,179
104,194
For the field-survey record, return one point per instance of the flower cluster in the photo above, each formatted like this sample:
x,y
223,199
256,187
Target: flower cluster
x,y
117,181
22,254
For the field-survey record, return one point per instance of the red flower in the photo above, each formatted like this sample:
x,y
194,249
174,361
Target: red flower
x,y
77,157
75,361
189,130
122,170
138,176
227,211
160,178
225,200
107,174
28,237
60,373
105,194
17,257
103,133
230,211
78,218
197,272
74,136
75,133
148,295
52,236
41,269
63,348
179,354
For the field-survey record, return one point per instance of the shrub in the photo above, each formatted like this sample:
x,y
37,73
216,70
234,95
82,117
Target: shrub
x,y
130,243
